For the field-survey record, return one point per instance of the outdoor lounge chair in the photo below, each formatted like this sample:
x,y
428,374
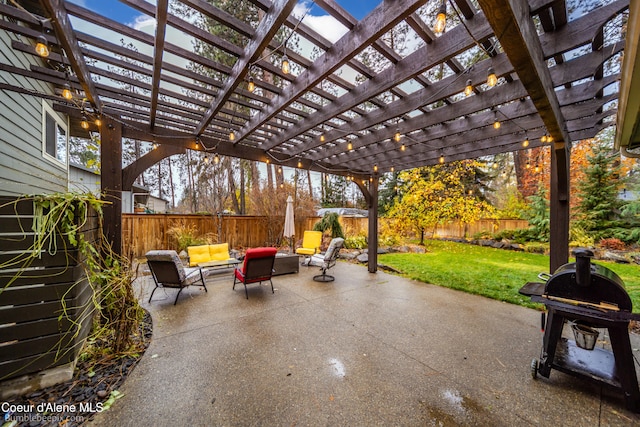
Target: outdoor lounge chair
x,y
167,271
328,260
257,267
311,242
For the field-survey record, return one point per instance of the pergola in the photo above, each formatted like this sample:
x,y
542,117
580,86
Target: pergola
x,y
419,108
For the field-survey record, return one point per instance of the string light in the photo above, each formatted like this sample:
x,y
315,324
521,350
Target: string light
x,y
375,168
299,164
392,169
84,123
537,169
403,147
251,86
349,146
397,136
496,122
206,159
528,165
279,169
216,159
154,146
468,89
42,46
441,18
441,159
232,135
525,143
322,138
492,79
543,138
66,92
285,64
98,122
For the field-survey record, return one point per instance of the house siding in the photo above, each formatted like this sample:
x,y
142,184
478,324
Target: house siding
x,y
24,169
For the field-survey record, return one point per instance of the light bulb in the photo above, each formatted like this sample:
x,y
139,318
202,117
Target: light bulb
x,y
216,159
232,135
299,164
206,160
403,147
543,139
42,47
285,64
349,146
375,168
525,143
496,124
492,79
98,122
397,136
468,89
441,159
84,123
441,19
322,138
251,86
66,92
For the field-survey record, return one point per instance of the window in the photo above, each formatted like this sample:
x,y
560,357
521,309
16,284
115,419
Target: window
x,y
54,135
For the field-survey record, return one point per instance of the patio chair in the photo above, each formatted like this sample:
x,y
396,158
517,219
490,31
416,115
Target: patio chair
x,y
328,260
311,242
167,271
257,267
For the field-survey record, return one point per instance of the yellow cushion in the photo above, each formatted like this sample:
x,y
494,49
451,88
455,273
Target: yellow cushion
x,y
305,251
219,252
198,254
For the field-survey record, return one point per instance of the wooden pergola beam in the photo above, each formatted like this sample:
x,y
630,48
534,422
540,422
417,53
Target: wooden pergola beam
x,y
67,38
158,50
268,27
380,20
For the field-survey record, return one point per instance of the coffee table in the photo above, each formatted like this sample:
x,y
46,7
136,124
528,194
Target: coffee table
x,y
286,263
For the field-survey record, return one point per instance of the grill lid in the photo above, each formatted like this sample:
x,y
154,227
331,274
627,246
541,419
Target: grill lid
x,y
583,281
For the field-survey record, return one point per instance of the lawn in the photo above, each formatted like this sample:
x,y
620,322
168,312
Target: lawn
x,y
493,273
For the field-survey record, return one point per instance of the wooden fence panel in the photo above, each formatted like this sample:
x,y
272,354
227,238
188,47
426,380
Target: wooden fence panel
x,y
46,311
145,232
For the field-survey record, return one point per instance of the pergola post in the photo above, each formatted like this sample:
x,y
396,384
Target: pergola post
x,y
559,206
111,181
371,197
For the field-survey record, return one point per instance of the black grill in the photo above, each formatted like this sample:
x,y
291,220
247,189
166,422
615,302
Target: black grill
x,y
589,297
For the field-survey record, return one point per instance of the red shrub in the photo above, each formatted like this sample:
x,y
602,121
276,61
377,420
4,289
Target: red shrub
x,y
612,244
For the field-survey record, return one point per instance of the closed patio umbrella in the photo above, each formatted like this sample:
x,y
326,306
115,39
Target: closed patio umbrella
x,y
289,224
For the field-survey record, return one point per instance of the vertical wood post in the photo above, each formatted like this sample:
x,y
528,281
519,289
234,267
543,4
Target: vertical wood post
x,y
111,181
371,197
559,206
373,226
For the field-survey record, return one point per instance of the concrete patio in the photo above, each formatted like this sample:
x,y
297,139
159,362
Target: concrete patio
x,y
367,349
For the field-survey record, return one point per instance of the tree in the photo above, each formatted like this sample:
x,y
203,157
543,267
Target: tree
x,y
438,194
599,203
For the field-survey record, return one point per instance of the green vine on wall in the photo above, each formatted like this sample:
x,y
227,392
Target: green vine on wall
x,y
115,311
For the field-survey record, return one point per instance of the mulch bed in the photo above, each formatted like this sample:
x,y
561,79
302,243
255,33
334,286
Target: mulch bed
x,y
93,383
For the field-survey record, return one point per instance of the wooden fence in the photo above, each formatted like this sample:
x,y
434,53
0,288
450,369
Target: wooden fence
x,y
45,302
144,232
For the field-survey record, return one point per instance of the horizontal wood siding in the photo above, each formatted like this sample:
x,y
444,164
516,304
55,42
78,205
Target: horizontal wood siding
x,y
46,311
23,168
144,232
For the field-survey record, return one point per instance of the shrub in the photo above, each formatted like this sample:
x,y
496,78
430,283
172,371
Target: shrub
x,y
355,242
578,237
185,235
388,235
331,222
612,244
484,235
536,248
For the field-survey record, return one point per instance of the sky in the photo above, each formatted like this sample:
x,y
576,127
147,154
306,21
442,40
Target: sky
x,y
126,15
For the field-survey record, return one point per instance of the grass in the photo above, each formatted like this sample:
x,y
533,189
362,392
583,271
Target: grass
x,y
492,273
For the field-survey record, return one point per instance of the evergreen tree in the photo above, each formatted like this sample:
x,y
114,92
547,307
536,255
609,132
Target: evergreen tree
x,y
599,205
